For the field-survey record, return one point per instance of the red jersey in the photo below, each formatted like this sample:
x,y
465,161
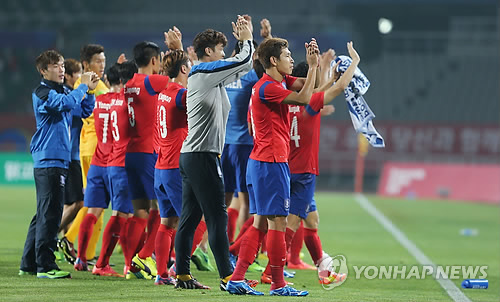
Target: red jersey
x,y
304,136
171,125
141,94
102,129
270,121
120,124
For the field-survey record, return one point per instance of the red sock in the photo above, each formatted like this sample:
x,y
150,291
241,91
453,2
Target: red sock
x,y
124,241
198,235
296,246
110,237
172,245
140,245
313,244
232,216
149,245
84,234
289,234
248,252
134,234
263,248
162,247
276,251
245,227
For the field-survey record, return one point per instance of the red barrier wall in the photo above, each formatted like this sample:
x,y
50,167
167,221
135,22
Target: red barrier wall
x,y
479,183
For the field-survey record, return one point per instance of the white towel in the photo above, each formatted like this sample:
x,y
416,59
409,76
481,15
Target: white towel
x,y
360,112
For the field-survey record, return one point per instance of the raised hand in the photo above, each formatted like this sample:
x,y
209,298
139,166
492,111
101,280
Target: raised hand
x,y
265,29
121,59
312,53
249,20
87,78
353,53
173,38
241,29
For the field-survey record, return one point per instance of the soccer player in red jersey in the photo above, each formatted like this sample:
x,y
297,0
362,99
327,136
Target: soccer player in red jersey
x,y
117,178
141,94
171,127
304,150
268,175
97,195
118,181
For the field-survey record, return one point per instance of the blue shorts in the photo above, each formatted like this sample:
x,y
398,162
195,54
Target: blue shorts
x,y
168,189
268,188
234,167
140,172
119,190
97,190
301,193
311,207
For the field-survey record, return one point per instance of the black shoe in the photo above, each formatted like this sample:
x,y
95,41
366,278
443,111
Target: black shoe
x,y
67,249
190,284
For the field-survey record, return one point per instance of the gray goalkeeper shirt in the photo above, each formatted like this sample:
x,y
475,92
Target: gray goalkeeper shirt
x,y
207,101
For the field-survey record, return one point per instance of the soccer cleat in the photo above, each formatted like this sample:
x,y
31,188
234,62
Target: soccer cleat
x,y
190,284
201,260
68,250
288,291
251,283
81,265
233,259
26,273
148,265
300,265
54,274
241,288
59,255
255,267
140,274
105,271
164,281
267,279
288,274
331,277
172,272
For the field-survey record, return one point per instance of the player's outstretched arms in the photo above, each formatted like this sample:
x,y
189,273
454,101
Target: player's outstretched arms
x,y
346,78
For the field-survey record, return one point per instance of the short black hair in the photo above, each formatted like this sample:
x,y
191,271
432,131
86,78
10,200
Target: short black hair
x,y
208,38
46,58
144,51
300,70
127,71
259,69
113,74
71,66
89,50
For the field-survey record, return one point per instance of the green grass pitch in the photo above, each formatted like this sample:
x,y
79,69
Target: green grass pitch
x,y
345,229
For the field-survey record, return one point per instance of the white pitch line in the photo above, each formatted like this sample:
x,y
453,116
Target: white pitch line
x,y
456,294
